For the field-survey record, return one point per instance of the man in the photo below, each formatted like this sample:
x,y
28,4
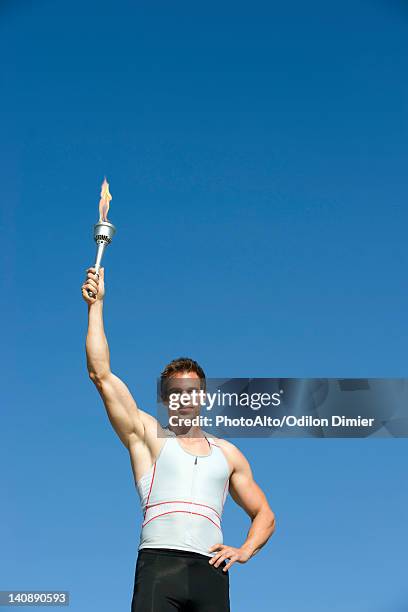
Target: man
x,y
182,477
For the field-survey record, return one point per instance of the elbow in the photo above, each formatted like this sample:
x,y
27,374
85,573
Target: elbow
x,y
269,518
92,375
96,377
272,521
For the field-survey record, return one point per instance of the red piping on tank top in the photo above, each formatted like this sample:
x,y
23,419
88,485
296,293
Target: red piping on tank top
x,y
150,490
185,512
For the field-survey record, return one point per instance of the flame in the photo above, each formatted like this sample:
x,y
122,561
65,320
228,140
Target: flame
x,y
104,201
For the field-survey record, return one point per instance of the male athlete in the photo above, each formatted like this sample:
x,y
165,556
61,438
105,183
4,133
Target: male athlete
x,y
183,478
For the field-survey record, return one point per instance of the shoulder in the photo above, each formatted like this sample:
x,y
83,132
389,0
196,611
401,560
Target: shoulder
x,y
235,457
226,445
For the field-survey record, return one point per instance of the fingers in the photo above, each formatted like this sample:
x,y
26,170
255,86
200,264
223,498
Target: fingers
x,y
215,546
220,559
217,556
92,270
232,561
94,284
91,284
86,296
93,276
225,553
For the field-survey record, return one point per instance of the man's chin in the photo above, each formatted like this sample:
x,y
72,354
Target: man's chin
x,y
189,411
185,413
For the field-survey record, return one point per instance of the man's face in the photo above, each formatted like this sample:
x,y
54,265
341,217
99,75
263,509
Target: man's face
x,y
183,391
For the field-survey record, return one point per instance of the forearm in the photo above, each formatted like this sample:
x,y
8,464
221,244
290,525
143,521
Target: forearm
x,y
97,349
262,527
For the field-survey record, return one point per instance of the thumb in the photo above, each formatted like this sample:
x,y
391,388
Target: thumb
x,y
102,273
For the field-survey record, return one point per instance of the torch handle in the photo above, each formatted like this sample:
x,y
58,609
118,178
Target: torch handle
x,y
101,244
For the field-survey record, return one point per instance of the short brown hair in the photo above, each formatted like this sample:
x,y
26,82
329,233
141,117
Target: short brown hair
x,y
181,364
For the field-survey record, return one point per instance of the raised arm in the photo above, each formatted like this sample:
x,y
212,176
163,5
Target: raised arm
x,y
126,418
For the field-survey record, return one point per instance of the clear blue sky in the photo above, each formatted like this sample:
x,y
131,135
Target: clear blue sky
x,y
257,158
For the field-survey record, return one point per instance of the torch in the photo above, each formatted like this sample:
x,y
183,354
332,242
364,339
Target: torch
x,y
103,230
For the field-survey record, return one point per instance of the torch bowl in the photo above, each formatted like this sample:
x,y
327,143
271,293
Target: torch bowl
x,y
104,231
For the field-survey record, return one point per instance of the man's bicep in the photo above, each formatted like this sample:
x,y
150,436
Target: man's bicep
x,y
243,488
121,408
247,494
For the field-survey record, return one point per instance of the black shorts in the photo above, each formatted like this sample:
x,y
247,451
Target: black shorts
x,y
168,580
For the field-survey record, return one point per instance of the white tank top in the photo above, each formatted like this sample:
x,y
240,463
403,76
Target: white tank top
x,y
182,498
